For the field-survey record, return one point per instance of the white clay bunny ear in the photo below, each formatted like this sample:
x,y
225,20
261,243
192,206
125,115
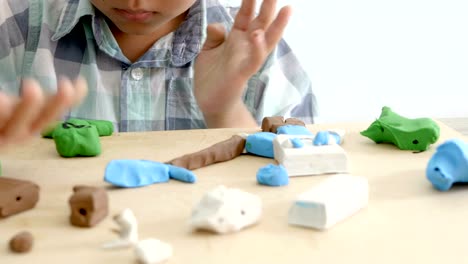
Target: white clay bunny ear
x,y
127,231
224,210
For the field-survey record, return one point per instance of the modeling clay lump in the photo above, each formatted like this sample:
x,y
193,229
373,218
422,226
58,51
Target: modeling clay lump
x,y
139,173
223,151
75,139
226,210
78,137
448,165
405,133
17,196
88,205
103,127
272,123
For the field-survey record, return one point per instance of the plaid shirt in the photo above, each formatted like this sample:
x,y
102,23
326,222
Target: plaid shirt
x,y
46,39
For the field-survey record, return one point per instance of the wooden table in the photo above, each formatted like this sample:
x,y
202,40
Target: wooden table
x,y
407,221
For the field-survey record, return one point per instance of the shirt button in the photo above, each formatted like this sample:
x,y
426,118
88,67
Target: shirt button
x,y
137,74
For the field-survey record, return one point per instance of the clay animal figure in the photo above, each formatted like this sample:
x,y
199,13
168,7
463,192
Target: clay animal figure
x,y
127,231
226,210
74,139
88,205
78,137
139,173
448,165
17,196
146,251
407,134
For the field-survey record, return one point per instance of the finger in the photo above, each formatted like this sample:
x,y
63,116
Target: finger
x,y
81,90
6,108
28,108
216,34
56,105
261,49
266,16
245,15
274,33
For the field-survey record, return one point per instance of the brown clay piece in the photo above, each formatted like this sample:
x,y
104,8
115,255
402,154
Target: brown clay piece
x,y
219,152
89,205
17,196
271,124
22,242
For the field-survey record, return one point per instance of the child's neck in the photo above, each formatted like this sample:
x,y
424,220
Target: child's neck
x,y
127,41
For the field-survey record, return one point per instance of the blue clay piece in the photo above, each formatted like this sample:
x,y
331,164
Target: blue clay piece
x,y
135,173
293,130
139,173
323,138
273,175
181,174
260,144
297,142
448,165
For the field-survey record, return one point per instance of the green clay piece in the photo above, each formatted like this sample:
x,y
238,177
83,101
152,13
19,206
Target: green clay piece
x,y
77,138
104,127
405,133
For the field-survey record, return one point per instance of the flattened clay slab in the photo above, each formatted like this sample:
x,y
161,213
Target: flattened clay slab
x,y
17,196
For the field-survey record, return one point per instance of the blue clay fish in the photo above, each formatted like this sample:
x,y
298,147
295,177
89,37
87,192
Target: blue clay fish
x,y
448,165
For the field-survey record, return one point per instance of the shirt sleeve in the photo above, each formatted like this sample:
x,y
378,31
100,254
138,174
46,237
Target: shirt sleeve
x,y
281,88
14,19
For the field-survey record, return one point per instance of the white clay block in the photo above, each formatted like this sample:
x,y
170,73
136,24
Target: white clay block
x,y
309,159
152,251
128,230
226,210
330,202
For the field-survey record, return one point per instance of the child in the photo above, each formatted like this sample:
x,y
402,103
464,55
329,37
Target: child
x,y
146,65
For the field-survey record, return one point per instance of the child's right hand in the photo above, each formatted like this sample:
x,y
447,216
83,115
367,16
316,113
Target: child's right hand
x,y
25,116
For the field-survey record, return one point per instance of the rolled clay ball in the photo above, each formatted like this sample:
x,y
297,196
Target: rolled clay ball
x,y
22,242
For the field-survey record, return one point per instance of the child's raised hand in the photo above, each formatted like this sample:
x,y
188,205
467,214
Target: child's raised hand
x,y
227,62
22,117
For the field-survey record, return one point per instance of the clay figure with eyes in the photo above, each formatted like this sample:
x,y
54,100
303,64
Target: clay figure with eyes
x,y
448,165
405,133
226,210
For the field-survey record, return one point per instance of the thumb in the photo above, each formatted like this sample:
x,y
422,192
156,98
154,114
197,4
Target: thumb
x,y
215,36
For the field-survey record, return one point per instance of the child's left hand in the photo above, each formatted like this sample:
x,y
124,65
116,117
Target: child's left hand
x,y
226,63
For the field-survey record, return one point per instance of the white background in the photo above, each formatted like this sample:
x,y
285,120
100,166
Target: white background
x,y
411,55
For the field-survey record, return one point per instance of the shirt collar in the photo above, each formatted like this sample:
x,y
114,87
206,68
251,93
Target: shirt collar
x,y
71,14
